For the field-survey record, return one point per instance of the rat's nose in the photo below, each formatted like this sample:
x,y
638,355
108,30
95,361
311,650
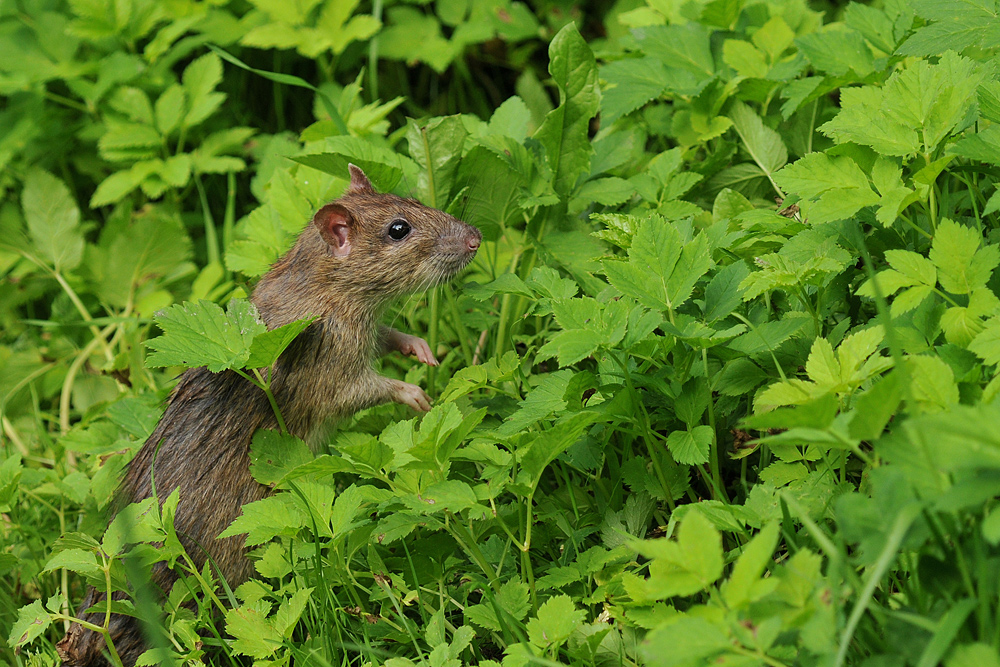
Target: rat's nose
x,y
474,240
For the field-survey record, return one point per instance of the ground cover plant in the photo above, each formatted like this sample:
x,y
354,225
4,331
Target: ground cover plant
x,y
719,388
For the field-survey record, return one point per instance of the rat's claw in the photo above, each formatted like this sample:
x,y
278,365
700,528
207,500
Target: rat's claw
x,y
412,346
412,395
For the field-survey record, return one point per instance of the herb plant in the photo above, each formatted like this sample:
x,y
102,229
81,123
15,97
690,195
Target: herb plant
x,y
720,386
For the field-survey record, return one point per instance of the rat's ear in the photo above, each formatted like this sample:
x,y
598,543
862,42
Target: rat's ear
x,y
360,185
335,223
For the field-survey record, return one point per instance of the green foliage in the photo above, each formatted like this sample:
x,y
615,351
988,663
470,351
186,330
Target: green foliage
x,y
720,386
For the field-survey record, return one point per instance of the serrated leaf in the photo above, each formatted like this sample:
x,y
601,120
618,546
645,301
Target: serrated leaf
x,y
32,621
274,454
200,79
836,50
53,219
201,334
691,447
544,447
268,346
835,187
80,561
542,401
913,112
290,611
254,633
932,383
265,519
688,641
383,167
662,270
962,265
451,495
767,337
631,84
683,566
555,622
738,590
152,245
953,26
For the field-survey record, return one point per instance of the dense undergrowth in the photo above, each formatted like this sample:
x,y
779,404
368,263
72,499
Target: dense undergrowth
x,y
718,389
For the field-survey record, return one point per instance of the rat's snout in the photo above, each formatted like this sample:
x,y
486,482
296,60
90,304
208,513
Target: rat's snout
x,y
474,238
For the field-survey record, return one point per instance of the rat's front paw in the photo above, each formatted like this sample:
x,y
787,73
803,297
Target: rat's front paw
x,y
412,395
412,346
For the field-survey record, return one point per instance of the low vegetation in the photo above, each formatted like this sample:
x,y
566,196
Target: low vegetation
x,y
719,387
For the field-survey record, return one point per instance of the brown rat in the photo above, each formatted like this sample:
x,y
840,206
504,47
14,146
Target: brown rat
x,y
360,253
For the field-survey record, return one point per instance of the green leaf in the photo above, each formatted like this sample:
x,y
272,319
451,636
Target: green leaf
x,y
691,447
382,167
134,523
722,294
254,633
932,383
983,146
631,83
81,561
268,346
873,409
683,566
32,621
114,188
973,655
53,219
150,246
662,270
545,399
436,148
170,109
200,79
265,519
451,495
837,50
564,133
273,454
555,622
743,585
766,337
683,48
544,447
834,188
687,641
962,265
987,343
953,26
914,111
745,58
570,347
201,334
764,144
887,177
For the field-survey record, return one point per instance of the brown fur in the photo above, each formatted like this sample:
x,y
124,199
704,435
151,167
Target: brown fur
x,y
204,435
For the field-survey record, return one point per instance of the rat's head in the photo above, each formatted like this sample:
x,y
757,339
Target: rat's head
x,y
387,246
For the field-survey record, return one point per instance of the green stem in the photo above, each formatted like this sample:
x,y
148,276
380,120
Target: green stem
x,y
258,381
469,546
211,238
713,461
115,660
432,333
899,529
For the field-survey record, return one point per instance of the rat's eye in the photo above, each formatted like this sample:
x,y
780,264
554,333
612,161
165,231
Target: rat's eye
x,y
399,229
